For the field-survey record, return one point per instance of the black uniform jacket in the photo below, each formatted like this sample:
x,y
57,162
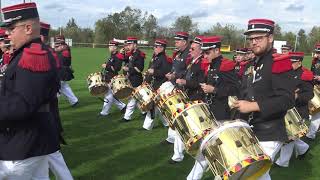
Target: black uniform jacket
x,y
194,76
304,88
136,65
222,76
113,65
30,86
271,85
66,72
161,65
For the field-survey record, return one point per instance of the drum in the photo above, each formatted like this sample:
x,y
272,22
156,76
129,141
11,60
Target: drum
x,y
314,103
121,87
193,123
295,126
165,88
96,84
144,95
233,152
171,104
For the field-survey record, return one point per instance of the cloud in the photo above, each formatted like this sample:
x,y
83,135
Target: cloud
x,y
295,7
168,17
199,14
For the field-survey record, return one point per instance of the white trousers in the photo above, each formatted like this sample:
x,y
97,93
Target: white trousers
x,y
132,103
171,135
22,169
178,149
271,148
67,92
55,162
199,167
287,150
108,101
149,122
314,126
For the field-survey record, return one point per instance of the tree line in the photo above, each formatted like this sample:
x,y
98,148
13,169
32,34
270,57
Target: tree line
x,y
144,25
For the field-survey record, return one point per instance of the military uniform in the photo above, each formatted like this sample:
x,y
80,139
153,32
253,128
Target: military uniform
x,y
304,87
135,64
315,119
28,131
113,66
66,72
272,87
221,75
161,66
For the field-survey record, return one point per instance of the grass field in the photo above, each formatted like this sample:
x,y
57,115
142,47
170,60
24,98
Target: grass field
x,y
107,149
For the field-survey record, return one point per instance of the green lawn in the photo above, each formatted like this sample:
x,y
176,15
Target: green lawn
x,y
106,149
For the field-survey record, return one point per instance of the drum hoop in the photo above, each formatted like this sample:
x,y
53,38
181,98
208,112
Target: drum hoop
x,y
221,128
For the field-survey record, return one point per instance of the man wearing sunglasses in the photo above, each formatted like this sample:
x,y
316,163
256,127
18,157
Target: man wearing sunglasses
x,y
269,91
28,131
159,67
221,81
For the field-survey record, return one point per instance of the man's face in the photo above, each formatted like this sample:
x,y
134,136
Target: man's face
x,y
158,49
296,65
211,54
112,49
317,55
260,43
179,44
131,47
17,34
240,57
195,50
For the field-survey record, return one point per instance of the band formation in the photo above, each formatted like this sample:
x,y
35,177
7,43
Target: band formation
x,y
232,116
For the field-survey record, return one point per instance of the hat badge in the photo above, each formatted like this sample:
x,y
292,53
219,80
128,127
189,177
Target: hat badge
x,y
252,26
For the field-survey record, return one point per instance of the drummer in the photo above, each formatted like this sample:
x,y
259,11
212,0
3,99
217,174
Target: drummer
x,y
195,74
159,67
269,91
133,70
111,68
221,81
315,68
303,94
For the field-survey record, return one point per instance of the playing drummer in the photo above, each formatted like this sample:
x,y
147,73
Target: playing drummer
x,y
303,94
133,70
155,76
195,74
269,91
111,68
221,81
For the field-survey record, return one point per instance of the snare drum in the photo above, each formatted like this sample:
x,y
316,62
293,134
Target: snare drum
x,y
193,123
144,95
96,84
295,126
165,88
233,152
121,87
171,104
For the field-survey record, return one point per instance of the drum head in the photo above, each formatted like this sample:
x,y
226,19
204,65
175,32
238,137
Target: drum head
x,y
98,90
123,93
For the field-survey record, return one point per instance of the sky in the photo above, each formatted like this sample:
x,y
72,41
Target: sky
x,y
291,15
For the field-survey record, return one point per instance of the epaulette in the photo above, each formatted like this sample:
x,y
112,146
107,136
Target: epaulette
x,y
35,59
142,54
227,65
120,56
66,53
306,75
281,64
